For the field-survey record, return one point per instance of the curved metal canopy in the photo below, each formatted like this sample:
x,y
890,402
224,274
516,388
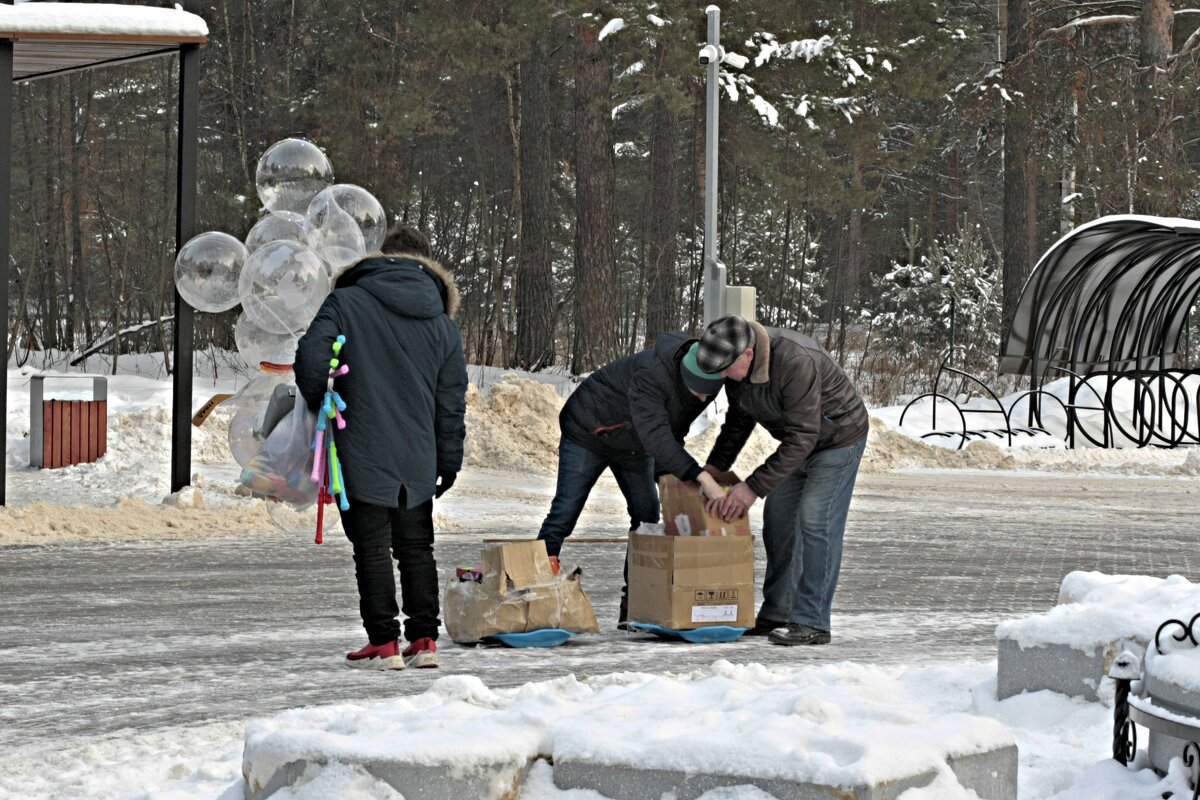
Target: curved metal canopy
x,y
1112,295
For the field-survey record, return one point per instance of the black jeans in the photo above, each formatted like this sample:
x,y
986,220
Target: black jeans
x,y
378,534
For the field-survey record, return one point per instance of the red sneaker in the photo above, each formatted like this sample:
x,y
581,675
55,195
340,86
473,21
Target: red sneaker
x,y
377,656
421,654
554,565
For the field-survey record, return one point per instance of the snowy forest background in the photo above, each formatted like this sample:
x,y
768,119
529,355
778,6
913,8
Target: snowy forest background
x,y
882,162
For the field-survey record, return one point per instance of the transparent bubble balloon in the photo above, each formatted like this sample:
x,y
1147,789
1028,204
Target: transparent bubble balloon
x,y
245,431
359,204
282,286
290,174
250,406
275,225
336,239
207,270
302,521
257,345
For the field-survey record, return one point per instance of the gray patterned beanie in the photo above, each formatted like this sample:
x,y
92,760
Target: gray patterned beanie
x,y
722,342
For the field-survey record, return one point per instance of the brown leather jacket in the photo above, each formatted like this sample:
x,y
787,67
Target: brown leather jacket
x,y
800,395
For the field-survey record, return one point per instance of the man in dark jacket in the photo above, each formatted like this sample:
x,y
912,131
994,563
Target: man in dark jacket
x,y
785,382
629,416
403,442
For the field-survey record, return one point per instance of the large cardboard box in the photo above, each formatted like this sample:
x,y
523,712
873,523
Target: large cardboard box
x,y
684,514
686,582
519,592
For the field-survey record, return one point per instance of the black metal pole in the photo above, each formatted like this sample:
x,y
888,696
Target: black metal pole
x,y
185,229
6,106
1125,669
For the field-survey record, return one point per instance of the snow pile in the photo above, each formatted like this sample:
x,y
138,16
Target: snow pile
x,y
1096,608
129,518
513,425
836,725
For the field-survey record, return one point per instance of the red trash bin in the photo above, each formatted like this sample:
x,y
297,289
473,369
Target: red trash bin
x,y
66,432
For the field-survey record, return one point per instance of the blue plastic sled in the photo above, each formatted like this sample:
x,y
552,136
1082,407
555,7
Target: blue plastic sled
x,y
709,635
546,637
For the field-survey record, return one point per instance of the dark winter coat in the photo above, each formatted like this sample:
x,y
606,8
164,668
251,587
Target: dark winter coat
x,y
638,405
406,389
800,395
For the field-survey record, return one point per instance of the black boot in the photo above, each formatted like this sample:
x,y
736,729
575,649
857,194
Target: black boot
x,y
798,633
623,614
763,627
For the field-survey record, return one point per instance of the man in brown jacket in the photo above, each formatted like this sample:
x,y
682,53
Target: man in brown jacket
x,y
785,382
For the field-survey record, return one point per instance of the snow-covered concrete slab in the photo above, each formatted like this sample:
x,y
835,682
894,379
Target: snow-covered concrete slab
x,y
793,733
446,781
1070,648
991,774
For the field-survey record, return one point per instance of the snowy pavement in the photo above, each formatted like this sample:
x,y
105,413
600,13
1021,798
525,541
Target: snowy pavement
x,y
121,639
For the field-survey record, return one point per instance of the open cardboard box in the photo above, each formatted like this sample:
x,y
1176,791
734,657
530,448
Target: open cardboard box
x,y
519,592
703,578
685,582
684,514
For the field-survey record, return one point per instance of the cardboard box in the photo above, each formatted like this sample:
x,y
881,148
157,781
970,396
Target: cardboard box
x,y
685,582
683,500
519,592
517,565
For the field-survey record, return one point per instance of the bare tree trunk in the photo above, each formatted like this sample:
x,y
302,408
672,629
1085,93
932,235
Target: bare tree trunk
x,y
662,213
535,278
596,297
1020,192
1155,140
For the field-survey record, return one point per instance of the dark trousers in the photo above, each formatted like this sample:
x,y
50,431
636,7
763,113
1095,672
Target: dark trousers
x,y
378,534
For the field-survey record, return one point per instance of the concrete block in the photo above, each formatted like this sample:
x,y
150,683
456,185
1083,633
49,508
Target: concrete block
x,y
1057,667
991,774
498,781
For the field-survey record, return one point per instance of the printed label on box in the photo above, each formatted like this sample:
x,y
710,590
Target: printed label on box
x,y
715,613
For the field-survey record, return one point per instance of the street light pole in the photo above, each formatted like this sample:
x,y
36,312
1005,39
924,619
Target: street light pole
x,y
714,270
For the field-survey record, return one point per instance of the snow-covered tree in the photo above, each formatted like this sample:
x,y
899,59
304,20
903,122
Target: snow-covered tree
x,y
945,306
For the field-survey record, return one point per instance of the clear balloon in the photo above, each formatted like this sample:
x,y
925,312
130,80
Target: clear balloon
x,y
257,345
282,286
337,239
287,518
360,205
207,270
290,173
250,404
277,225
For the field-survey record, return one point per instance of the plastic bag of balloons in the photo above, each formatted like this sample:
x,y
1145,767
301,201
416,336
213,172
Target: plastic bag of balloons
x,y
283,465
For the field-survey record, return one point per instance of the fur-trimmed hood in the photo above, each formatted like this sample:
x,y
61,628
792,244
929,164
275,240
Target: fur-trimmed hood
x,y
396,279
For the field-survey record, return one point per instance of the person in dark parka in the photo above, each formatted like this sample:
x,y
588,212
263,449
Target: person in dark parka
x,y
403,443
631,417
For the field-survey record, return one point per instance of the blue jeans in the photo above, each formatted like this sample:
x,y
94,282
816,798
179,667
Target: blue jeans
x,y
578,471
804,520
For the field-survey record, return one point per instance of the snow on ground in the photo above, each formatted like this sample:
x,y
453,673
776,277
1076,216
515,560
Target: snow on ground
x,y
512,423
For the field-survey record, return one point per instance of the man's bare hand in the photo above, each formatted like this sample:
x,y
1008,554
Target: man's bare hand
x,y
737,503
